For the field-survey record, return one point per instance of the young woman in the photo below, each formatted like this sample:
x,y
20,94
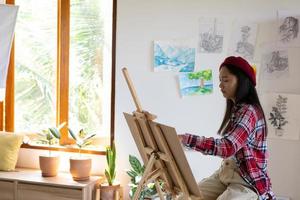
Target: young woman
x,y
243,173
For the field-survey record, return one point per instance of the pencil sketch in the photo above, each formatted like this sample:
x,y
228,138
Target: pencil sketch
x,y
210,36
243,39
275,64
282,115
243,46
277,116
289,29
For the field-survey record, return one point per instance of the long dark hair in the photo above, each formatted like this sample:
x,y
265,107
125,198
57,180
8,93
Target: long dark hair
x,y
245,93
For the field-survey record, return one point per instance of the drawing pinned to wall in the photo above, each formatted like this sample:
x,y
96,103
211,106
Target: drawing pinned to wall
x,y
8,15
277,115
243,39
211,35
281,115
279,69
288,28
174,56
196,83
275,64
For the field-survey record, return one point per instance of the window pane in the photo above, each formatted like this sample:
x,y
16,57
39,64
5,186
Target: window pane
x,y
35,57
90,67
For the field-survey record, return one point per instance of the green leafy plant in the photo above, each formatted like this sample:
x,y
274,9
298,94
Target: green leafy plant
x,y
51,135
136,173
110,172
82,139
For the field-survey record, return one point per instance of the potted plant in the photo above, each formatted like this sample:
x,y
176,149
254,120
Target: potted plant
x,y
109,189
49,163
80,167
136,173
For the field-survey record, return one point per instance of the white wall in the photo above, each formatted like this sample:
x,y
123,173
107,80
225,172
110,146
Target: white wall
x,y
140,22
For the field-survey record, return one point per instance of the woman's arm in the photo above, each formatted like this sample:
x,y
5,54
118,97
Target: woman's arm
x,y
229,144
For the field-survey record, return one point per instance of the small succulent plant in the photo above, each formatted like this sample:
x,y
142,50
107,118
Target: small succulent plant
x,y
82,139
51,135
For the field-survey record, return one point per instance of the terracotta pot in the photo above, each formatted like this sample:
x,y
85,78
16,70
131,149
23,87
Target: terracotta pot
x,y
49,165
80,168
109,192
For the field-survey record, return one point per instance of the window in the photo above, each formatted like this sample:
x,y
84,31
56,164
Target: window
x,y
62,70
35,65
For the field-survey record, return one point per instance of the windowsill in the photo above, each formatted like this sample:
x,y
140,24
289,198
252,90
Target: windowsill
x,y
68,148
98,145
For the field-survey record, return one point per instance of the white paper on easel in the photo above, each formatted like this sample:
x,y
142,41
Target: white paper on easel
x,y
8,16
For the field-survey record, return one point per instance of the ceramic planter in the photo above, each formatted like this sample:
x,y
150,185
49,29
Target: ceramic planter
x,y
49,165
80,168
109,192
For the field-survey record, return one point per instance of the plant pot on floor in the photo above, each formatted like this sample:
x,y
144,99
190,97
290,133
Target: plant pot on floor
x,y
109,192
49,165
80,168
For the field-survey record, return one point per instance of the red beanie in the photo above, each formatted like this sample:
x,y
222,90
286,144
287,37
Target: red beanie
x,y
242,64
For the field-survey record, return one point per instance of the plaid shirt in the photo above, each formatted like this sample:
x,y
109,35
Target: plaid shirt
x,y
245,141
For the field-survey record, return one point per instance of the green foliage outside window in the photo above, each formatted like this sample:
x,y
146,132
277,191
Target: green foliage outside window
x,y
36,52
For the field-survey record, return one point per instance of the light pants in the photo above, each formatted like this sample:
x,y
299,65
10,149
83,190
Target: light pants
x,y
226,184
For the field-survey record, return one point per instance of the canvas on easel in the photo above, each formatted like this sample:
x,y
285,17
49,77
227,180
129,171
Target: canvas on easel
x,y
161,152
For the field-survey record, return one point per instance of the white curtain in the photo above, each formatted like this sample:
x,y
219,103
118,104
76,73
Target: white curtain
x,y
8,16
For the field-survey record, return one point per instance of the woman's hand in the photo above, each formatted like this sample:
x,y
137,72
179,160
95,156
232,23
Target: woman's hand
x,y
180,137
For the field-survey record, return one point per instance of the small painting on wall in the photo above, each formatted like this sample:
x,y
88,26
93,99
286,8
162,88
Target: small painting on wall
x,y
196,83
173,56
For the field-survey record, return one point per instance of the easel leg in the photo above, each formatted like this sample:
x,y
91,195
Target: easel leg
x,y
146,172
158,189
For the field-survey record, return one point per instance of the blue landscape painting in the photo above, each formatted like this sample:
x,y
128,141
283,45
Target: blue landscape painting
x,y
173,58
196,83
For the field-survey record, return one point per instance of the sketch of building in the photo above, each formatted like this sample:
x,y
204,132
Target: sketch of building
x,y
289,29
210,36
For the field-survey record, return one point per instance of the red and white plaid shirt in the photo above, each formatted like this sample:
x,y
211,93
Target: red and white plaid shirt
x,y
245,141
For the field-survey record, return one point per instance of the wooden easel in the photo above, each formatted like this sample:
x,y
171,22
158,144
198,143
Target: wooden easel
x,y
150,138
